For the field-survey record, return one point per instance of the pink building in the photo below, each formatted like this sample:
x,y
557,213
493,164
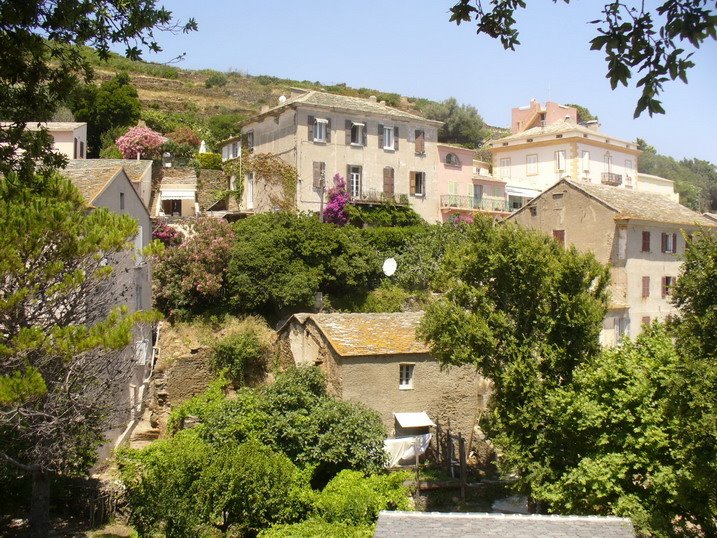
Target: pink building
x,y
537,115
465,185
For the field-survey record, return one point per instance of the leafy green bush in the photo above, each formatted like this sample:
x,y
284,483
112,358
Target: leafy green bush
x,y
353,498
389,241
216,79
210,161
384,214
242,356
318,528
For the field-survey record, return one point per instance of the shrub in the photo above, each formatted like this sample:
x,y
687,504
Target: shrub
x,y
216,79
185,136
335,210
140,141
383,214
318,528
168,235
242,356
209,161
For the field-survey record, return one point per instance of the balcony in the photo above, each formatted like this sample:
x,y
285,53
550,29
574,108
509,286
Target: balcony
x,y
608,178
370,197
454,201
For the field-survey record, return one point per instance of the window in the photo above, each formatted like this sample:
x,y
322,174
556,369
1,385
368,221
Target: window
x,y
319,180
320,130
354,181
420,142
82,149
607,163
225,152
505,168
358,134
453,160
533,210
645,287
235,149
121,201
418,183
586,162
250,141
531,164
74,154
667,283
560,161
388,137
669,243
405,376
559,236
646,241
250,190
628,173
622,328
388,176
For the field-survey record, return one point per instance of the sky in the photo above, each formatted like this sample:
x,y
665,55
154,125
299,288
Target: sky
x,y
411,48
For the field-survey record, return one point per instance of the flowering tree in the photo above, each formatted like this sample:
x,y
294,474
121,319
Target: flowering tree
x,y
141,141
185,135
191,276
169,236
335,210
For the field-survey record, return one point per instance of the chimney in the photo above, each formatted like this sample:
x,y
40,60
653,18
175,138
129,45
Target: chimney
x,y
372,98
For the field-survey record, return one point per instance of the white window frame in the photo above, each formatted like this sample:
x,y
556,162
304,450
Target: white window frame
x,y
607,163
505,168
628,172
560,165
405,376
531,164
388,141
355,182
320,125
359,134
586,162
235,149
422,191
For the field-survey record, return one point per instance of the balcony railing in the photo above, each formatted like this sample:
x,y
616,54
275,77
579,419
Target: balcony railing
x,y
608,178
455,201
379,197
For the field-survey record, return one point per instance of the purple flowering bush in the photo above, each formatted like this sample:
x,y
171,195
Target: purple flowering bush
x,y
335,210
169,236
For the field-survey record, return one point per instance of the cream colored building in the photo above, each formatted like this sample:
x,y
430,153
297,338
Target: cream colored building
x,y
544,148
377,360
382,152
70,138
641,235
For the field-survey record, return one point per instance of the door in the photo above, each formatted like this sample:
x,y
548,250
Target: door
x,y
477,196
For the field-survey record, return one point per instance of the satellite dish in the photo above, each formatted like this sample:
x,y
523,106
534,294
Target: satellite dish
x,y
389,266
282,100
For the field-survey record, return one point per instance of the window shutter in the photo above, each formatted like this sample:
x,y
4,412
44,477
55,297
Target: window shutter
x,y
348,179
364,132
395,138
420,141
347,127
645,286
559,236
380,136
674,243
413,183
664,285
645,320
388,180
646,241
311,122
317,175
328,130
664,242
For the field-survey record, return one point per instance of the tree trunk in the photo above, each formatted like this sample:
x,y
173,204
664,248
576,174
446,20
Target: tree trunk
x,y
40,505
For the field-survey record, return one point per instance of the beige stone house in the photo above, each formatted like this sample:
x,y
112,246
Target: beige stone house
x,y
139,172
377,360
641,235
382,152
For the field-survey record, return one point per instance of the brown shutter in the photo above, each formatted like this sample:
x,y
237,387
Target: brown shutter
x,y
317,175
664,242
645,286
420,142
311,122
646,241
380,136
75,152
674,243
328,130
364,131
347,127
559,236
395,138
664,285
645,320
388,180
413,183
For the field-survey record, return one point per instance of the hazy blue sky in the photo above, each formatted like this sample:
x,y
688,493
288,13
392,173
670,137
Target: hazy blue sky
x,y
409,47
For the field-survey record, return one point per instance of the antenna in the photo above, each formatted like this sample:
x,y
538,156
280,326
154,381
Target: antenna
x,y
389,266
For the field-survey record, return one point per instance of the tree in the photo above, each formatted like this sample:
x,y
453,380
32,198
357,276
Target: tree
x,y
335,210
636,40
525,311
461,123
584,114
112,104
61,337
42,59
140,142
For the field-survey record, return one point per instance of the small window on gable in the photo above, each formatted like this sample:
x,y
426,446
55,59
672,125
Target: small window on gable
x,y
533,210
453,160
405,376
121,201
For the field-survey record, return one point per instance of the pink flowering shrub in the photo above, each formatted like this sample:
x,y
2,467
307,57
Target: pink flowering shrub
x,y
190,277
457,218
171,237
140,140
335,210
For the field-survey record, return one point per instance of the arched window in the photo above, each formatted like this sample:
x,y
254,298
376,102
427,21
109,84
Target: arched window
x,y
453,159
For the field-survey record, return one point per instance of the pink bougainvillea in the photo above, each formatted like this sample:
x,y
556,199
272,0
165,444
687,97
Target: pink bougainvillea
x,y
335,210
141,141
171,237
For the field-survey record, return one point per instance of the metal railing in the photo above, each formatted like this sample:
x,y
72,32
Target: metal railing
x,y
373,196
608,178
469,202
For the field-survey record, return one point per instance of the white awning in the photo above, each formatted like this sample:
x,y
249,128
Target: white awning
x,y
521,191
177,194
413,420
